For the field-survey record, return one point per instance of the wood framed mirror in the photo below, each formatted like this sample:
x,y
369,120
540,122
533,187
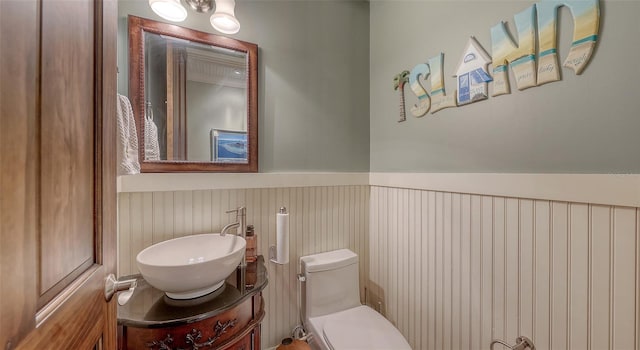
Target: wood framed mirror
x,y
194,97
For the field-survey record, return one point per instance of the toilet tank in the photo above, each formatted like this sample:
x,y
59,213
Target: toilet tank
x,y
331,282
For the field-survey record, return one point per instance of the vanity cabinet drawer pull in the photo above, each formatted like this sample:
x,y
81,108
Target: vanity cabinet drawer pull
x,y
194,337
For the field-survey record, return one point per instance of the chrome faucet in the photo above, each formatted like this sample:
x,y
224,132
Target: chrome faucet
x,y
240,225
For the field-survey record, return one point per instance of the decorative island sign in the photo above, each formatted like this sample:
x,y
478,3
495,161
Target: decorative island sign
x,y
528,69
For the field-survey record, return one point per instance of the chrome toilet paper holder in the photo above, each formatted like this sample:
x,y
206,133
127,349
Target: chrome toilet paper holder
x,y
273,249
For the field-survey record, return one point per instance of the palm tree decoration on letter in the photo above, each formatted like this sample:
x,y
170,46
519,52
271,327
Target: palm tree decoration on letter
x,y
398,84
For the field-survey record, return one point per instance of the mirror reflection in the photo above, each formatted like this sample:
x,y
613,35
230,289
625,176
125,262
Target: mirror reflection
x,y
195,99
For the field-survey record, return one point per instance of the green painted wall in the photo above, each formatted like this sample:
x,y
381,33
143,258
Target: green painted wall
x,y
581,124
327,101
313,72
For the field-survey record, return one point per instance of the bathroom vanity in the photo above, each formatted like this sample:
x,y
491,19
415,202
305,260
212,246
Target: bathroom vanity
x,y
228,318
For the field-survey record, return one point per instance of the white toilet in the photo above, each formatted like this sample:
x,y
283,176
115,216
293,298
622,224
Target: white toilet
x,y
332,311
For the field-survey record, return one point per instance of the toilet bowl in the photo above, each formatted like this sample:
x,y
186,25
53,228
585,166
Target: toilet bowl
x,y
331,307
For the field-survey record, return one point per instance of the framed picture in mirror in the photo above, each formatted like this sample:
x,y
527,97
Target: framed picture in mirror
x,y
228,146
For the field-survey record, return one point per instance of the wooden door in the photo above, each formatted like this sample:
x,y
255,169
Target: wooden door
x,y
57,178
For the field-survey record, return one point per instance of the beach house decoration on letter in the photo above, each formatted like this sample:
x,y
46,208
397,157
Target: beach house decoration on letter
x,y
472,73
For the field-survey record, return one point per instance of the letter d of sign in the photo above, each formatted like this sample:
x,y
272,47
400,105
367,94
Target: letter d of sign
x,y
586,19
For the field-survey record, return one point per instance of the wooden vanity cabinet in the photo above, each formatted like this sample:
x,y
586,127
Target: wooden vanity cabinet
x,y
228,319
237,328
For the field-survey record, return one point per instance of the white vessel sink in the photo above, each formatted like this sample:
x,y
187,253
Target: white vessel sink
x,y
191,266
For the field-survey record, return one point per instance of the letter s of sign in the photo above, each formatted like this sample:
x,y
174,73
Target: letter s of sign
x,y
424,101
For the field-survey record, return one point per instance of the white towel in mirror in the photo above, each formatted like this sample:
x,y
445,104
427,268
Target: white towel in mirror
x,y
128,162
151,145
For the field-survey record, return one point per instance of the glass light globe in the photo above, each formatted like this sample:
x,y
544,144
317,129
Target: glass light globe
x,y
224,20
170,10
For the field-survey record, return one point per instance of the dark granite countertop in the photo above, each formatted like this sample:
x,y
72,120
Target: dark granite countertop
x,y
151,308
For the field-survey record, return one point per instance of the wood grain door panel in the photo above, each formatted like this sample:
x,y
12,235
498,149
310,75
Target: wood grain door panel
x,y
67,143
18,113
57,194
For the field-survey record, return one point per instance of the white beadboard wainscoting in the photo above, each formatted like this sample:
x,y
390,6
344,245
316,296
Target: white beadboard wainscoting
x,y
453,260
454,271
321,219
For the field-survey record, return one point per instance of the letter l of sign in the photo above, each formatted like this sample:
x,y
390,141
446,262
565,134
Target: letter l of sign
x,y
439,98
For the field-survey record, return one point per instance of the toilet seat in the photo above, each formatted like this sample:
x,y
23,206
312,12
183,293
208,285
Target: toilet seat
x,y
360,328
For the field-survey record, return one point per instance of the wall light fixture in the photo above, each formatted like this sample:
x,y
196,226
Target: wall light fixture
x,y
222,20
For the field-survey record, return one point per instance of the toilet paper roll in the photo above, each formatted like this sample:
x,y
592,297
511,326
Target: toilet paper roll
x,y
282,238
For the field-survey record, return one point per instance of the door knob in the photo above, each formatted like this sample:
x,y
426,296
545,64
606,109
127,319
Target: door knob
x,y
113,286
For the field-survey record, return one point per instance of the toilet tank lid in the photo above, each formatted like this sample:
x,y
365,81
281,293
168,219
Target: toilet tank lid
x,y
328,261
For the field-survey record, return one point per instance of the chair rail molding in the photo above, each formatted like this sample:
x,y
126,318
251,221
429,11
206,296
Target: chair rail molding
x,y
609,189
163,182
